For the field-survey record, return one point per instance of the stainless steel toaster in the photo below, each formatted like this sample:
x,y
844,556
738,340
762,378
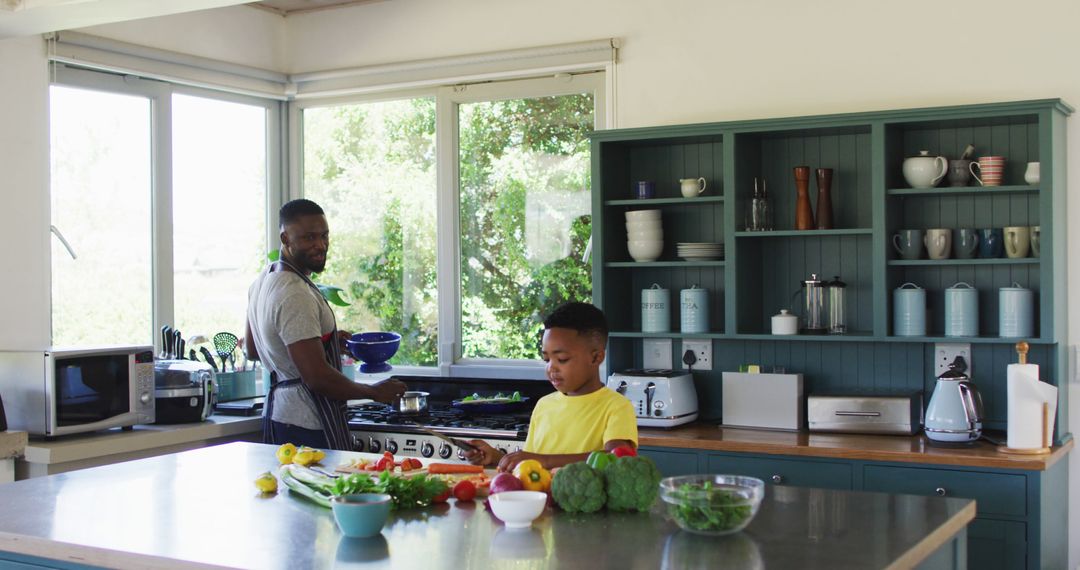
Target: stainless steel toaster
x,y
865,412
661,398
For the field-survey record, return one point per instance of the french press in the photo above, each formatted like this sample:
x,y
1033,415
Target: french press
x,y
813,306
834,305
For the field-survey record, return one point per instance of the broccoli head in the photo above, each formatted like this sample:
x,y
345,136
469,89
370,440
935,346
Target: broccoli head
x,y
578,488
632,483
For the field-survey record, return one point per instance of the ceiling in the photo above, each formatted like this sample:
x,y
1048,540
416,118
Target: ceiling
x,y
286,7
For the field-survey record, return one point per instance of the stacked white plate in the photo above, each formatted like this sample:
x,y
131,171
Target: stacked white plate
x,y
691,251
644,235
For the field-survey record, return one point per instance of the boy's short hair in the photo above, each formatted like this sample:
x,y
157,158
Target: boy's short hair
x,y
584,318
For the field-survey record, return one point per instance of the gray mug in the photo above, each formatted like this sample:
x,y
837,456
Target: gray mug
x,y
908,243
1036,237
959,173
965,243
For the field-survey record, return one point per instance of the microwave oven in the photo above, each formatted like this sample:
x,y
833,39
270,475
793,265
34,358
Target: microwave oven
x,y
61,391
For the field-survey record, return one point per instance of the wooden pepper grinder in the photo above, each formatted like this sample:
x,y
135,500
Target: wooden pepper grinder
x,y
804,215
824,199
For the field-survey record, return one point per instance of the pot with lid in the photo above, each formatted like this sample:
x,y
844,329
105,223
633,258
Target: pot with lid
x,y
413,402
955,412
925,171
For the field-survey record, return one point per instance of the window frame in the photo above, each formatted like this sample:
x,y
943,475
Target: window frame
x,y
160,94
448,234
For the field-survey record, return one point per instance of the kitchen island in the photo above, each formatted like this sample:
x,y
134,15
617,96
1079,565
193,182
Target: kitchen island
x,y
199,508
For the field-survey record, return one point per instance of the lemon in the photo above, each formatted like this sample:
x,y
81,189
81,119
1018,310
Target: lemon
x,y
305,457
285,453
266,483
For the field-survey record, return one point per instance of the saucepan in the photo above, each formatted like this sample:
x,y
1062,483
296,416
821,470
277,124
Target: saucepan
x,y
413,402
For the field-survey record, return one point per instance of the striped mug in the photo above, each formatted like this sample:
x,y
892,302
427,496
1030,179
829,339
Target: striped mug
x,y
992,169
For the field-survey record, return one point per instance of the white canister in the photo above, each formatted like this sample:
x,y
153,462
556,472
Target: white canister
x,y
785,323
961,310
1016,312
909,310
655,309
694,310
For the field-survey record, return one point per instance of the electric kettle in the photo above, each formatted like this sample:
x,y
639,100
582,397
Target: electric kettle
x,y
955,412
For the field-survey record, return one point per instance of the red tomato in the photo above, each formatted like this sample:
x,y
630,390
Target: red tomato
x,y
385,464
410,464
441,498
388,455
624,451
465,491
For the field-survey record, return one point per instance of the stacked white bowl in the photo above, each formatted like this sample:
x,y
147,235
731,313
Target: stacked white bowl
x,y
644,234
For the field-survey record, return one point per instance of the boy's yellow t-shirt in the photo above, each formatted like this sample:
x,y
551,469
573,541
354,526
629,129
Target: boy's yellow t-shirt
x,y
580,424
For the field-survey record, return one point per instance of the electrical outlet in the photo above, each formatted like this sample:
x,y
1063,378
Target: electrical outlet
x,y
657,353
702,350
945,353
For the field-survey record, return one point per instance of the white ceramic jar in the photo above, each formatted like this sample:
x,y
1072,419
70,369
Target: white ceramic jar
x,y
925,171
785,323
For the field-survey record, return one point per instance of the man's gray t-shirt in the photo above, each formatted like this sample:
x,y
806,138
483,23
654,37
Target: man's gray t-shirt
x,y
283,309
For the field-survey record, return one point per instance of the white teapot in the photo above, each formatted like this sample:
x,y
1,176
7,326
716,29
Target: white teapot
x,y
925,171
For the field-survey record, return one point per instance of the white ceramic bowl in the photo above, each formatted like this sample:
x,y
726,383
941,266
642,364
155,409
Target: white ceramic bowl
x,y
518,509
645,235
648,250
641,215
644,226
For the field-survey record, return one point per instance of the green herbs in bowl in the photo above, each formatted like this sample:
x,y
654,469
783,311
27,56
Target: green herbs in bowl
x,y
712,504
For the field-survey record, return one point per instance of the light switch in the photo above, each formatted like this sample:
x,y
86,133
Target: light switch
x,y
657,353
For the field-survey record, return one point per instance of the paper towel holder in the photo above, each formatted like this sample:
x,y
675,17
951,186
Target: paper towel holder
x,y
1021,353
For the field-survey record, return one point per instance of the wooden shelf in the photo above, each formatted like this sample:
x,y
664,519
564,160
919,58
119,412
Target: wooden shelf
x,y
941,262
680,201
961,190
670,334
856,336
805,233
651,264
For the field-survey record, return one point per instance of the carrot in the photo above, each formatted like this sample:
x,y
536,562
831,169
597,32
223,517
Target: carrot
x,y
446,468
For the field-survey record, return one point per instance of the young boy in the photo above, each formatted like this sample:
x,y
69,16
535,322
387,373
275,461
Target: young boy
x,y
582,415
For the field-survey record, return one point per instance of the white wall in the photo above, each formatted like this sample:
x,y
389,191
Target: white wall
x,y
24,182
686,61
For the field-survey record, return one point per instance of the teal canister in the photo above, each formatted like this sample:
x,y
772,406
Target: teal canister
x,y
961,310
909,310
655,309
694,310
1016,312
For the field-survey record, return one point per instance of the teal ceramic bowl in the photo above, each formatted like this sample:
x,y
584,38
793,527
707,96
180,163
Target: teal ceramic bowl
x,y
361,515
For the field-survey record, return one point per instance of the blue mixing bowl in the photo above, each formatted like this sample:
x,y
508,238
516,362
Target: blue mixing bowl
x,y
361,515
374,349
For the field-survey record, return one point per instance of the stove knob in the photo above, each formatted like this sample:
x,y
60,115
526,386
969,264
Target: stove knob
x,y
504,450
461,454
427,450
445,451
374,446
359,444
391,445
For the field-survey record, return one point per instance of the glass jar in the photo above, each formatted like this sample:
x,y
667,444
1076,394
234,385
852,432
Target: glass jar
x,y
834,305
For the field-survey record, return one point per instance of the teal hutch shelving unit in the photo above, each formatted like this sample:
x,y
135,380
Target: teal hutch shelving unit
x,y
762,271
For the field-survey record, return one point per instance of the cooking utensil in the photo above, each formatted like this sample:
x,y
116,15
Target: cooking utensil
x,y
451,440
166,337
490,406
208,357
413,402
191,354
224,344
183,348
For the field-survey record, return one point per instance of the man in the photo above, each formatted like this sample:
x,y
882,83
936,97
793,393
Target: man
x,y
292,330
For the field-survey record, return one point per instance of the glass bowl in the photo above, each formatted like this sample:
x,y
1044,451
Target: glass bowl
x,y
712,504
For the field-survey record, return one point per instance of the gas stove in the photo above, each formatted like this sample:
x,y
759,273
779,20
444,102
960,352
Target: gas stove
x,y
378,427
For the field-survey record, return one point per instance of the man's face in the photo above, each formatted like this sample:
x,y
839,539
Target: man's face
x,y
306,240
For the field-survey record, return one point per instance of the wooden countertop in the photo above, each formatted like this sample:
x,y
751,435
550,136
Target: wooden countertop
x,y
12,444
904,449
199,509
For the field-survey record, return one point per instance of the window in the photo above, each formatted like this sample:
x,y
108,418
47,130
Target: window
x,y
162,194
371,166
462,247
101,204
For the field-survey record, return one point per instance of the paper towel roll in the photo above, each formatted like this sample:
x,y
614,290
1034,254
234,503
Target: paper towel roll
x,y
1026,396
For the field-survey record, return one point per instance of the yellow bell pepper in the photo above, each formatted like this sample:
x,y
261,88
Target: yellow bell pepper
x,y
533,475
285,453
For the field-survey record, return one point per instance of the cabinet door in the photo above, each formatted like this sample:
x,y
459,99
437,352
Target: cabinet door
x,y
672,463
994,493
776,471
996,544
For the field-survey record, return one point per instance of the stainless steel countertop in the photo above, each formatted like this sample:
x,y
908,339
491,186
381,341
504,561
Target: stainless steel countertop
x,y
200,508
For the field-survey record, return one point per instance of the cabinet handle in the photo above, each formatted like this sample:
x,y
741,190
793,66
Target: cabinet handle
x,y
777,479
940,491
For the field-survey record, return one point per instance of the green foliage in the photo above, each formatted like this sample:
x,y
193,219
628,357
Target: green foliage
x,y
632,483
578,488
